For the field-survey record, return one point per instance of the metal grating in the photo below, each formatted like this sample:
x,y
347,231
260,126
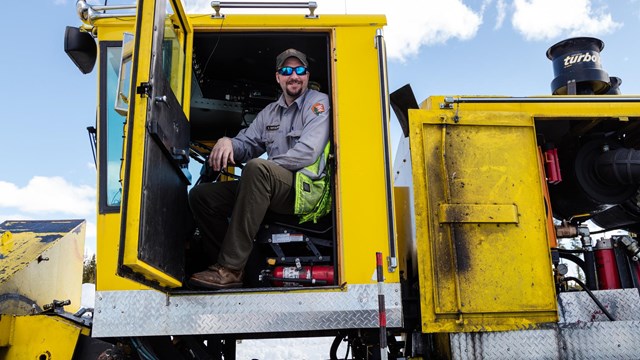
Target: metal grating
x,y
595,340
149,312
583,332
577,306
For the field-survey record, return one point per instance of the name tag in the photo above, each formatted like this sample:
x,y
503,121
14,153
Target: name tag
x,y
272,127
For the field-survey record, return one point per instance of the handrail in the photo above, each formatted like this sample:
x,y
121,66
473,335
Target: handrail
x,y
89,13
549,99
384,101
311,5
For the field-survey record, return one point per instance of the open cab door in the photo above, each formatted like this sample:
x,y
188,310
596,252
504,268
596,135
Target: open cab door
x,y
155,208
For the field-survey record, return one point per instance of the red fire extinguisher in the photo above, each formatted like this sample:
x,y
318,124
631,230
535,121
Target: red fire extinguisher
x,y
302,276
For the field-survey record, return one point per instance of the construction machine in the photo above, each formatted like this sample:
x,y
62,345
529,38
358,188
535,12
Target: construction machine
x,y
451,252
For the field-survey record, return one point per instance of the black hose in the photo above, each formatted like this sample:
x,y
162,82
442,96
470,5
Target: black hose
x,y
590,270
577,260
593,297
333,352
567,251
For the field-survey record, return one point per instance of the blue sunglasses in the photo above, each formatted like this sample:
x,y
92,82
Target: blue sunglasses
x,y
288,70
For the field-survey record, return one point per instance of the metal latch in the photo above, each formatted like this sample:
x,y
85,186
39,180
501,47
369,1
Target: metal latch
x,y
144,89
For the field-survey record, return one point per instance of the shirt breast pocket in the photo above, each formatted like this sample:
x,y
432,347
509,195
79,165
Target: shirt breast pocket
x,y
293,136
270,140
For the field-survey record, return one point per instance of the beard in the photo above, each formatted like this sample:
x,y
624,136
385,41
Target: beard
x,y
294,93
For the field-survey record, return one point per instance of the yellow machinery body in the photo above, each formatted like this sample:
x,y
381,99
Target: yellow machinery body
x,y
358,137
463,222
480,216
41,263
344,63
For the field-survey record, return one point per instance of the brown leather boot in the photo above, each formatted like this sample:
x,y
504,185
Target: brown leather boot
x,y
217,277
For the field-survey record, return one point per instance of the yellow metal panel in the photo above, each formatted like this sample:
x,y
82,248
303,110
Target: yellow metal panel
x,y
6,326
107,256
478,273
134,157
113,29
473,213
570,110
292,22
38,337
45,265
361,188
403,219
108,225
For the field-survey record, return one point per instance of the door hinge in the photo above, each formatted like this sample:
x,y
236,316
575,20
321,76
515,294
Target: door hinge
x,y
144,89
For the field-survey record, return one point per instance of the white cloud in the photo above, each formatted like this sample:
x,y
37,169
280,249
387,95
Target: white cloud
x,y
14,216
501,8
50,198
414,23
547,19
411,23
48,195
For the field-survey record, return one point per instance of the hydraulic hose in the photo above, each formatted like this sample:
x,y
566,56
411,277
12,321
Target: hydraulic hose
x,y
593,297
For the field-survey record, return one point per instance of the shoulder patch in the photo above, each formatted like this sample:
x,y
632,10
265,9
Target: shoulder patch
x,y
317,108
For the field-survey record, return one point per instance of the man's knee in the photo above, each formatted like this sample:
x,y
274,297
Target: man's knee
x,y
195,193
196,196
256,167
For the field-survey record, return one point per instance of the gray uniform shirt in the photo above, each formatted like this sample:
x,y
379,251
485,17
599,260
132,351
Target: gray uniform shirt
x,y
293,136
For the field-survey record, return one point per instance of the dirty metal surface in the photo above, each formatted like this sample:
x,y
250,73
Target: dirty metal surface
x,y
149,312
595,340
582,333
23,241
623,304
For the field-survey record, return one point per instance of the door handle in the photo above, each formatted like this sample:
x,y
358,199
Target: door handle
x,y
161,99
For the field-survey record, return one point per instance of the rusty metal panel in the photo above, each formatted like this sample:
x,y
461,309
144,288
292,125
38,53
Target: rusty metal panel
x,y
484,259
474,213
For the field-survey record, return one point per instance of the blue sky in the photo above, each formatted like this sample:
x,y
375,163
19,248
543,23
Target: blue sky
x,y
446,47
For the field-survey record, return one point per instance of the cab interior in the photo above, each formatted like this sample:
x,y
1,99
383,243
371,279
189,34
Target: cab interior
x,y
233,79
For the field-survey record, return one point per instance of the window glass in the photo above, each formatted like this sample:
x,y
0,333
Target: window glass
x,y
115,123
173,57
122,100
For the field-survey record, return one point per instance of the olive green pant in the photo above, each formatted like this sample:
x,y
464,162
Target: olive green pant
x,y
264,185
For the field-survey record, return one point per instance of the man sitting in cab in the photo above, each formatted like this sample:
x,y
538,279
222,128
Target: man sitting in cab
x,y
294,132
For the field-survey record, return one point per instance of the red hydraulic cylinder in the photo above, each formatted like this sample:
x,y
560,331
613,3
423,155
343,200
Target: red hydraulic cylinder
x,y
552,165
606,266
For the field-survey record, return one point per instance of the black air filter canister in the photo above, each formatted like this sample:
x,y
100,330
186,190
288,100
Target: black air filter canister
x,y
615,86
578,59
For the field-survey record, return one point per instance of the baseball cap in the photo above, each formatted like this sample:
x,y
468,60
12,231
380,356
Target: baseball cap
x,y
291,53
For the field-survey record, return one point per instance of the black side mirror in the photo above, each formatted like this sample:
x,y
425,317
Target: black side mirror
x,y
81,48
401,101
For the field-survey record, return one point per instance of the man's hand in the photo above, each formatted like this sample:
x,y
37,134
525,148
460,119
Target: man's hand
x,y
221,154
